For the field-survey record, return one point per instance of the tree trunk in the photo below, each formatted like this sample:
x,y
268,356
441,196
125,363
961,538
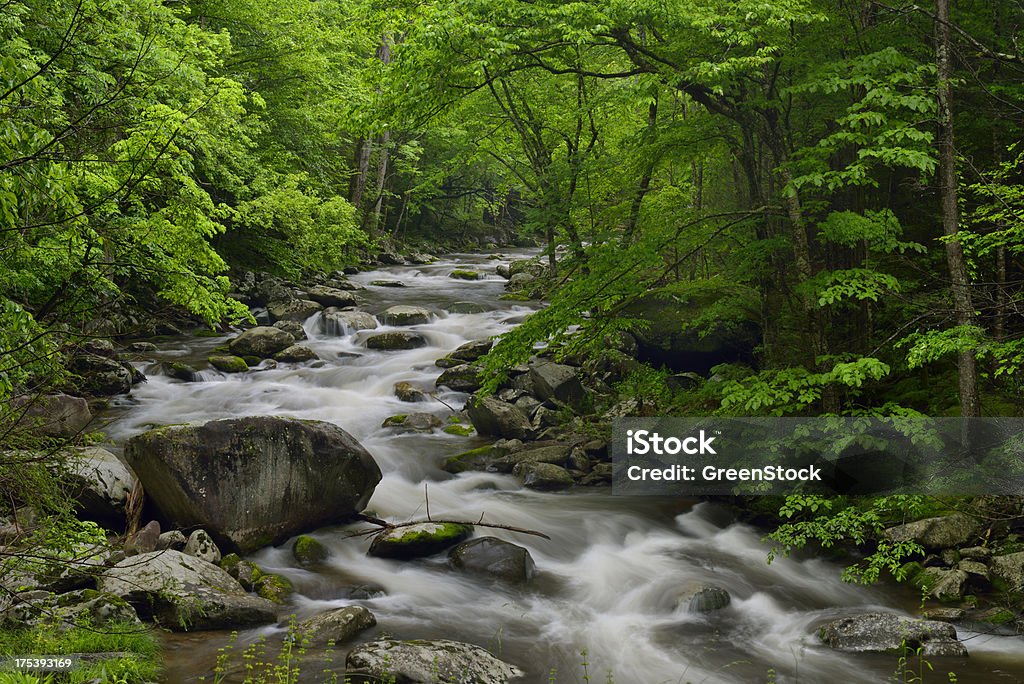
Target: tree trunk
x,y
948,186
363,152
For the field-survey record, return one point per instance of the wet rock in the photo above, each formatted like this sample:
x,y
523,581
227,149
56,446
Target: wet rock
x,y
885,633
700,597
976,553
336,626
493,558
945,614
531,266
475,459
62,611
557,381
293,328
184,593
387,283
406,391
390,259
418,541
101,376
503,271
520,281
202,546
274,588
942,583
544,476
406,315
296,353
973,567
308,551
329,296
943,532
425,662
467,308
417,422
419,258
1008,572
253,481
143,541
464,274
263,341
180,371
471,351
393,341
338,323
461,378
229,364
53,415
491,416
100,484
293,309
174,540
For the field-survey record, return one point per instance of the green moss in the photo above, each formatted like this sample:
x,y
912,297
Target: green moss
x,y
274,588
1001,617
394,421
464,274
309,551
460,430
229,364
252,360
230,561
468,460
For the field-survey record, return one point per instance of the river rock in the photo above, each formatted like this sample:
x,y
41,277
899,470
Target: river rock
x,y
472,350
101,376
336,626
405,315
101,484
942,583
885,633
179,371
467,308
201,545
944,532
296,353
228,364
253,481
417,541
520,281
530,454
700,597
263,341
309,551
414,422
339,323
387,283
144,540
390,259
557,381
493,558
461,378
293,309
406,391
544,476
329,296
426,662
53,415
184,593
464,274
491,416
1008,572
531,266
174,539
274,588
392,341
503,270
63,611
293,328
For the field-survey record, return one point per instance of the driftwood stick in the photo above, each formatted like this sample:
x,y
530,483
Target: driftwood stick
x,y
479,523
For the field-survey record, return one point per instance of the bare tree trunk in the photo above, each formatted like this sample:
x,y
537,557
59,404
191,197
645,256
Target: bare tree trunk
x,y
948,185
384,55
363,151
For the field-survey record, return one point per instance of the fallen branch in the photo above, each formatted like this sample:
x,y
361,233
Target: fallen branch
x,y
388,526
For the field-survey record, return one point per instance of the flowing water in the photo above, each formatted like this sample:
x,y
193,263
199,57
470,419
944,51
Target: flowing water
x,y
611,572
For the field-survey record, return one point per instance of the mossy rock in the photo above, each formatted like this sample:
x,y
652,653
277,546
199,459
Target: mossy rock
x,y
464,274
474,459
395,420
417,541
274,588
460,430
252,360
309,551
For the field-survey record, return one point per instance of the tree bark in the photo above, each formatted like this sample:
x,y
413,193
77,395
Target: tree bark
x,y
948,188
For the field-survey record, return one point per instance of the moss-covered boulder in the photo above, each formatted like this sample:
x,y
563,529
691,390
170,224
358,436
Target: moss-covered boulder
x,y
229,364
274,588
417,541
251,482
308,551
413,422
464,274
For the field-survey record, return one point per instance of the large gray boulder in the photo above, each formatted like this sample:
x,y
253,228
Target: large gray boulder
x,y
255,481
461,378
336,626
184,593
293,309
101,376
543,476
944,532
101,483
53,415
493,558
330,296
334,322
406,315
392,341
1008,572
885,633
263,341
491,416
557,381
427,662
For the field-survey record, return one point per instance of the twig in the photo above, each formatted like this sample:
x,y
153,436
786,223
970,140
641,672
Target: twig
x,y
392,526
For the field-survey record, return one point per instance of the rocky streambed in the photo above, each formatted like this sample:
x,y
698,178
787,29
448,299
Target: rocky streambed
x,y
349,398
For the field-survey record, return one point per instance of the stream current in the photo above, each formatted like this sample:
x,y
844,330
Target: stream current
x,y
609,576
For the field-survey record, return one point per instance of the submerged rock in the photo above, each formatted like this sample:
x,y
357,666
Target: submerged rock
x,y
885,633
251,482
493,558
426,662
700,597
417,541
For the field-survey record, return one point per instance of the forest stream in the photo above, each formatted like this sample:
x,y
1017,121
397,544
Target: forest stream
x,y
609,577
